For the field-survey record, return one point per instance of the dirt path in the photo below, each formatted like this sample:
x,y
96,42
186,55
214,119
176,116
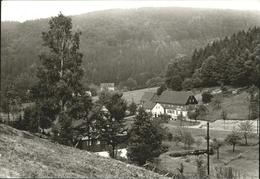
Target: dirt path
x,y
218,125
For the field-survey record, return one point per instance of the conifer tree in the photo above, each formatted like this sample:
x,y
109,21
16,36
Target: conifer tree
x,y
145,140
111,123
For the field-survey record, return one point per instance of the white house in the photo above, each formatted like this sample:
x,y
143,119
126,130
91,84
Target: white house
x,y
157,109
172,103
107,86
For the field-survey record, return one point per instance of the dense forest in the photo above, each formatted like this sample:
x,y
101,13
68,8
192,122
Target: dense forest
x,y
129,47
233,60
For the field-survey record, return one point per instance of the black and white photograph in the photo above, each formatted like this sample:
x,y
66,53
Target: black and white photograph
x,y
130,89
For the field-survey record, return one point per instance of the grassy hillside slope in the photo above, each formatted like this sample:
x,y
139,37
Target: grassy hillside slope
x,y
25,155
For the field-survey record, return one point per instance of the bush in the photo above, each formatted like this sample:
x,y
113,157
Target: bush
x,y
201,167
154,82
187,139
206,97
161,89
216,102
191,152
163,118
177,137
187,84
169,136
29,122
132,108
223,88
198,142
183,136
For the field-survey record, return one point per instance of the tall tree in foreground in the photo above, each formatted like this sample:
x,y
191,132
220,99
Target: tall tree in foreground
x,y
60,72
145,139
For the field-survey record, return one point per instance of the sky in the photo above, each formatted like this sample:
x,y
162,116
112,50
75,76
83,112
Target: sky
x,y
29,10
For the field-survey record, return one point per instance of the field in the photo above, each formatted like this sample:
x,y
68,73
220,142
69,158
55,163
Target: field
x,y
236,107
244,160
134,95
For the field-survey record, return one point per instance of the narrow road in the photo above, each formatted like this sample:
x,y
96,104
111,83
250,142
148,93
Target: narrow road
x,y
203,125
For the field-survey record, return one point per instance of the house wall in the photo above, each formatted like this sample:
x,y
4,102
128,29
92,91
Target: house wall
x,y
176,111
157,110
111,88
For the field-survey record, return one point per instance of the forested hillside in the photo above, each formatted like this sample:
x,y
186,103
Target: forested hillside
x,y
233,60
129,47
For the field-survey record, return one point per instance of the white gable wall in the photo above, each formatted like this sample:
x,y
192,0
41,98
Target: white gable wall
x,y
157,110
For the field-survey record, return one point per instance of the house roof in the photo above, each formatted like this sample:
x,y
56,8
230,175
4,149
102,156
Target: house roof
x,y
147,96
149,105
174,97
107,84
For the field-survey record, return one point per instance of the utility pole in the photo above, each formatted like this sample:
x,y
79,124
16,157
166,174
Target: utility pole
x,y
257,120
208,146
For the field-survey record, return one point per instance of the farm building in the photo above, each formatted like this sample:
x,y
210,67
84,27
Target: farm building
x,y
172,103
107,86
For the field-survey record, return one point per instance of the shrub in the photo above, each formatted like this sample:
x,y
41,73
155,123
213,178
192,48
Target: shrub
x,y
161,89
206,97
187,84
216,102
198,142
187,139
132,108
177,137
29,122
201,167
163,118
169,136
183,136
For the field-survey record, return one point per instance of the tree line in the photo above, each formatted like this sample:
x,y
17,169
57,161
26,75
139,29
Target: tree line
x,y
232,61
128,47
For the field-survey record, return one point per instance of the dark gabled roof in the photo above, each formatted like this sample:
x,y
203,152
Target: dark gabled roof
x,y
174,97
147,96
149,105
